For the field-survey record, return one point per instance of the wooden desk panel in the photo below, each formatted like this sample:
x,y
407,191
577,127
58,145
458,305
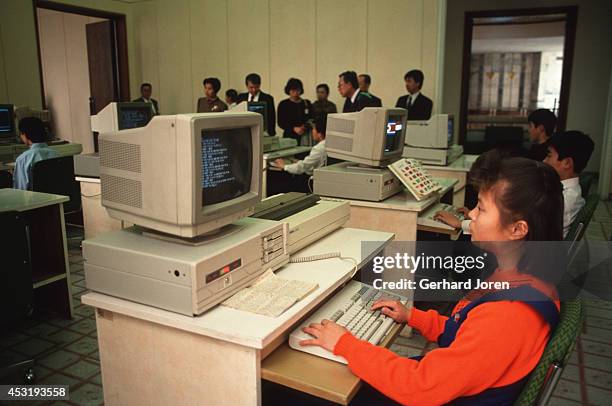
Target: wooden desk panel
x,y
314,375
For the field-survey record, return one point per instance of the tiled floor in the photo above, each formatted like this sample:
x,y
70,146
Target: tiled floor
x,y
67,350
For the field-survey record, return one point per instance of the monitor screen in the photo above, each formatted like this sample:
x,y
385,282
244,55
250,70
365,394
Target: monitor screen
x,y
261,108
226,164
394,131
6,120
450,131
133,116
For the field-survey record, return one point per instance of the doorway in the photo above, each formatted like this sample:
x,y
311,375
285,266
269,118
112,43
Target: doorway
x,y
514,62
83,64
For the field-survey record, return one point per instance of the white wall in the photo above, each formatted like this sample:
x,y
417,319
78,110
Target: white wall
x,y
180,43
20,81
63,51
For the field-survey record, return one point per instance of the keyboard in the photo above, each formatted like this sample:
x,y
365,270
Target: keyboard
x,y
427,217
350,308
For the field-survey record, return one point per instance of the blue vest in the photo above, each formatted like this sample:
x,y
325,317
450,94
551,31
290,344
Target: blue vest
x,y
503,395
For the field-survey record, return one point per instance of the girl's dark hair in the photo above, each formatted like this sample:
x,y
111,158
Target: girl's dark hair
x,y
524,189
294,84
531,191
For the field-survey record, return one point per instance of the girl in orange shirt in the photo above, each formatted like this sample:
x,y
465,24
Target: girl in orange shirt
x,y
493,340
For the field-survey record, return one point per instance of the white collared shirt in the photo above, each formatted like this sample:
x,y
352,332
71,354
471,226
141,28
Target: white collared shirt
x,y
316,159
254,98
572,202
354,96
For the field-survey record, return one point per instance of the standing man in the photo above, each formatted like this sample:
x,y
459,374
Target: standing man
x,y
348,87
254,94
364,85
542,123
418,105
146,90
211,103
323,106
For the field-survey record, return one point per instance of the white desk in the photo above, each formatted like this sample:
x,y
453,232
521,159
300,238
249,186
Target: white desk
x,y
457,170
397,214
95,217
155,357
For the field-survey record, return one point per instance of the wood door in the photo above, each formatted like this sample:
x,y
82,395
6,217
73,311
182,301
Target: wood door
x,y
102,58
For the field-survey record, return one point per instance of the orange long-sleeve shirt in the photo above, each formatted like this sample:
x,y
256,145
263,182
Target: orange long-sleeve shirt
x,y
498,344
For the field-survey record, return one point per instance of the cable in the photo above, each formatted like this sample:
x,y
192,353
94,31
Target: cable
x,y
309,183
320,257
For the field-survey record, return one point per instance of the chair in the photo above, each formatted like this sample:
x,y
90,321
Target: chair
x,y
16,292
587,179
6,180
582,220
56,176
544,378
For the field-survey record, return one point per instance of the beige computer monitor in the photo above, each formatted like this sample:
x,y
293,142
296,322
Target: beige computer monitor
x,y
185,174
117,116
437,132
373,136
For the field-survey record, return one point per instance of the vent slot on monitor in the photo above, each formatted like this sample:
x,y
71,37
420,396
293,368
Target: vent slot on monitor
x,y
120,155
121,190
340,125
339,143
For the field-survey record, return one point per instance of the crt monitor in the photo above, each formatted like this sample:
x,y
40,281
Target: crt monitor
x,y
185,174
437,132
255,107
261,108
117,116
7,120
133,115
373,136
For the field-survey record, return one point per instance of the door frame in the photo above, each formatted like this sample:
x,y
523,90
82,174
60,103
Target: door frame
x,y
571,13
119,20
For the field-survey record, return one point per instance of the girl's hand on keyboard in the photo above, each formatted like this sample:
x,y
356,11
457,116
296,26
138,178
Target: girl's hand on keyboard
x,y
447,218
393,309
326,334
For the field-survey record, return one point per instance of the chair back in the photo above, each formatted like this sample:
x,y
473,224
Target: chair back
x,y
56,176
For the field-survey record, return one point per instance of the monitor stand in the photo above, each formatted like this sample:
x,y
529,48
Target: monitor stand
x,y
197,241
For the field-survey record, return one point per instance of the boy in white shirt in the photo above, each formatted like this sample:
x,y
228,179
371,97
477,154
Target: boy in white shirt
x,y
317,157
568,153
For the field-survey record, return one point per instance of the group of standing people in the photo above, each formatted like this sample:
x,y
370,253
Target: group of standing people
x,y
297,114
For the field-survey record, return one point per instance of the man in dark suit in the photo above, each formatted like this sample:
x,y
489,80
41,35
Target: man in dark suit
x,y
348,87
146,90
418,105
364,85
253,84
